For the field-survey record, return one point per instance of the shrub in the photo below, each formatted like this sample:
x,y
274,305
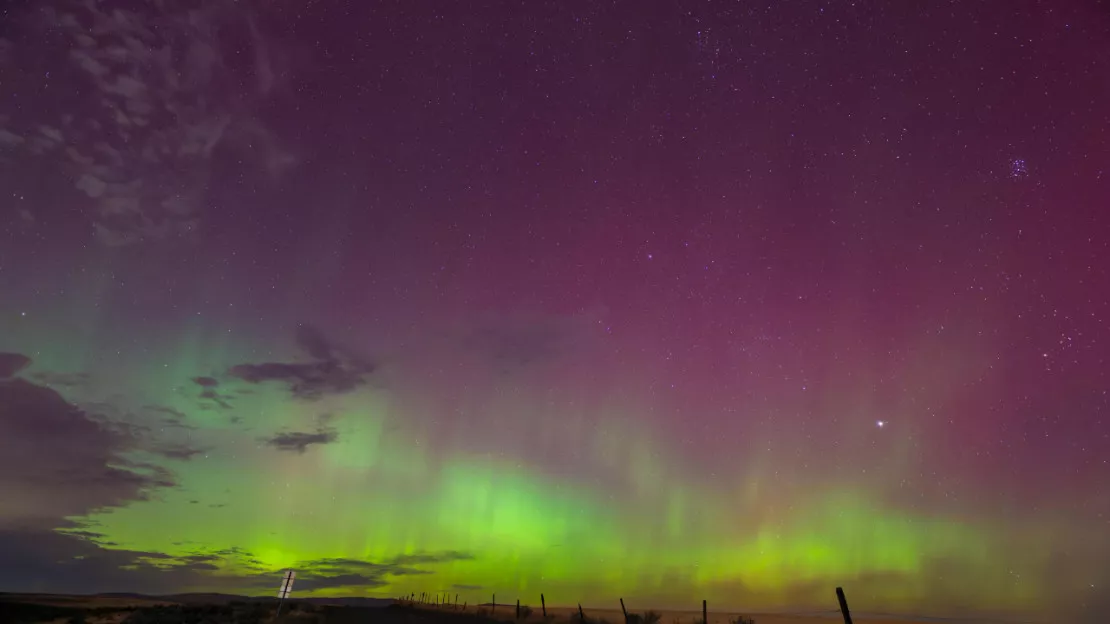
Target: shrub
x,y
651,617
525,611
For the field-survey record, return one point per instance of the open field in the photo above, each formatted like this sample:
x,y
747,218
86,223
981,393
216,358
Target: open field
x,y
228,609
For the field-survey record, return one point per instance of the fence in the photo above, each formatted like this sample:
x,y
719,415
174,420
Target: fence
x,y
441,600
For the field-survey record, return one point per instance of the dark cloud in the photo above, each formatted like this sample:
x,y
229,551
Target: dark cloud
x,y
305,381
206,382
313,583
331,371
12,363
91,536
177,451
79,561
326,567
299,441
332,573
38,560
170,416
61,380
56,461
212,397
433,557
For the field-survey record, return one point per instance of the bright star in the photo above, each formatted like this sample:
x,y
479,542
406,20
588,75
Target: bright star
x,y
880,423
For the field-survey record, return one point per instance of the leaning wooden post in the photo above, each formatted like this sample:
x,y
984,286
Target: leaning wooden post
x,y
518,608
493,606
581,616
624,611
843,605
704,614
543,605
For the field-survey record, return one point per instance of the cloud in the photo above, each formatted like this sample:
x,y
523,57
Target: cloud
x,y
170,417
313,583
331,370
339,572
38,560
299,441
305,381
12,363
210,396
168,99
81,561
57,462
433,557
177,451
61,380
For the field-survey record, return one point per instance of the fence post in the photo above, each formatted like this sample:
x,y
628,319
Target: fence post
x,y
493,606
843,605
624,611
581,616
704,613
543,605
518,608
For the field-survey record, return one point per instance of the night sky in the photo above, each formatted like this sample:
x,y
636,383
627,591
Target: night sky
x,y
664,300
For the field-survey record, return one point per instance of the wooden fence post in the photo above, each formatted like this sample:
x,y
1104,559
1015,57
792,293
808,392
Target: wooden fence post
x,y
493,606
456,601
624,611
581,616
543,605
518,608
704,613
843,605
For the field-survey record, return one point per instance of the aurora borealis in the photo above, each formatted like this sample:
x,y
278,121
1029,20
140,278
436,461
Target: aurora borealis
x,y
667,301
